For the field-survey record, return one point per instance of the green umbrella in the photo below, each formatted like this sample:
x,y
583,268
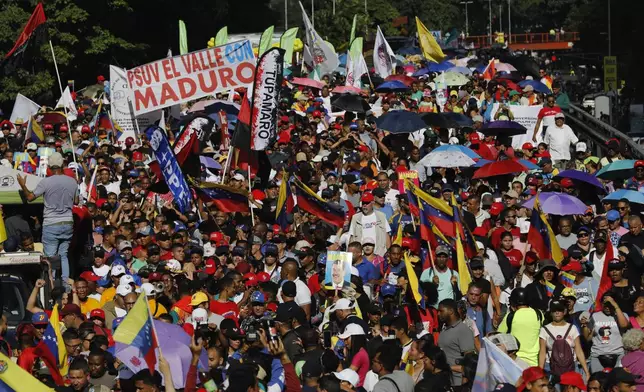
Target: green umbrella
x,y
454,79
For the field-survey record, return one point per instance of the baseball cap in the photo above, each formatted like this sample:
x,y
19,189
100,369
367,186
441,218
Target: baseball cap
x,y
527,146
581,147
257,297
352,330
39,318
572,266
125,245
343,304
199,316
90,276
615,264
569,292
368,240
250,279
442,249
476,262
367,197
559,115
312,368
234,333
32,147
511,194
126,279
387,290
601,235
619,374
263,277
124,289
566,183
70,309
530,375
348,375
285,311
544,161
198,298
97,313
117,270
572,378
148,289
612,215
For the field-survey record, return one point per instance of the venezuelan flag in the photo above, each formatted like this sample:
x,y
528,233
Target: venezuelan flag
x,y
53,339
284,202
34,132
566,279
541,237
15,378
550,289
227,199
470,247
310,202
137,330
413,279
463,269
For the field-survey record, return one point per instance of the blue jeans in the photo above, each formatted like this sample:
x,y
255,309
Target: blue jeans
x,y
55,240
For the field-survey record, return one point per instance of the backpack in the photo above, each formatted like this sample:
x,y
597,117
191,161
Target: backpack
x,y
562,359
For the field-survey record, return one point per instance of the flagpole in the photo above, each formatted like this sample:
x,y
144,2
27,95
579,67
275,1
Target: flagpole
x,y
69,128
250,204
154,330
226,165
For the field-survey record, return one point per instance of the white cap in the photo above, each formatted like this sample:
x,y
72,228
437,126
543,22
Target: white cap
x,y
453,140
348,375
125,245
126,279
480,245
302,244
148,289
524,225
55,160
117,270
351,330
208,251
238,177
173,265
32,146
124,289
581,147
199,316
344,304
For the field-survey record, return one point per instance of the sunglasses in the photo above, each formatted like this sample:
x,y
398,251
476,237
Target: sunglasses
x,y
582,235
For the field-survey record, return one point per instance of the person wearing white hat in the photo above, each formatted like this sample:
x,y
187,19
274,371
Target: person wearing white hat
x,y
349,376
559,137
354,338
60,194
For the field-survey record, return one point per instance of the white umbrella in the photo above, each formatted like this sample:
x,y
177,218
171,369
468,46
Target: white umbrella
x,y
446,159
504,67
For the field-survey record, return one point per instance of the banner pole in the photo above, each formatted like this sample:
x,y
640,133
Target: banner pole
x,y
69,128
250,204
226,165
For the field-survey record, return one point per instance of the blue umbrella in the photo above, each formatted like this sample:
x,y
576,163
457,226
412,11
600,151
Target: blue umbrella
x,y
460,148
209,163
461,70
400,121
528,164
421,72
580,176
392,86
632,196
481,162
440,67
409,50
537,85
617,170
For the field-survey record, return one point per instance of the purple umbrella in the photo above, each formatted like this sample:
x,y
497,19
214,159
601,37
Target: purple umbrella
x,y
581,176
503,128
175,346
556,203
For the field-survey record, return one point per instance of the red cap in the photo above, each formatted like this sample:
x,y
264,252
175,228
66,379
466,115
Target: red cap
x,y
243,267
531,257
85,129
210,267
272,307
58,143
566,183
263,277
63,128
90,276
250,279
129,141
155,277
97,313
216,236
137,156
258,194
465,195
48,126
317,113
496,208
367,197
475,138
527,146
362,148
336,125
284,119
574,379
100,78
530,375
407,242
639,163
533,181
573,265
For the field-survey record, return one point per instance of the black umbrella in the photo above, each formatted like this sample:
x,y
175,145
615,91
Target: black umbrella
x,y
524,64
351,103
436,120
503,128
514,76
375,79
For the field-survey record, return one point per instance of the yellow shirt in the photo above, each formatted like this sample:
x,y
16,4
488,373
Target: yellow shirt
x,y
156,308
89,305
108,295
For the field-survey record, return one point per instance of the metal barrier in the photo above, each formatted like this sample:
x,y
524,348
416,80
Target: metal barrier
x,y
600,132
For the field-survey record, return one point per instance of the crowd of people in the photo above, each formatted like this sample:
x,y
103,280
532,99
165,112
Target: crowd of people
x,y
252,292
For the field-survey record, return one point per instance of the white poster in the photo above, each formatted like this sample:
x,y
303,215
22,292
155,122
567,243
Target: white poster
x,y
121,108
526,116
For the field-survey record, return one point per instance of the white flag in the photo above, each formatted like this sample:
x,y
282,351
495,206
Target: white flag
x,y
323,55
494,367
359,68
382,56
23,109
349,80
68,102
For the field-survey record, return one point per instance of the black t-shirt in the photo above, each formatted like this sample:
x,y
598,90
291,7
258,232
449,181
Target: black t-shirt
x,y
625,297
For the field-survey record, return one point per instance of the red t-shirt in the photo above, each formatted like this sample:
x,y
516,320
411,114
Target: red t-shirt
x,y
227,309
515,256
548,111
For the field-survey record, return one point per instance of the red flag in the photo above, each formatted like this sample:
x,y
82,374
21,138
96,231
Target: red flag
x,y
490,71
605,283
35,20
241,139
44,353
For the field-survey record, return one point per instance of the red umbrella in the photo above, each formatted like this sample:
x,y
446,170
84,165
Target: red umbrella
x,y
499,168
308,82
346,90
511,85
408,80
51,118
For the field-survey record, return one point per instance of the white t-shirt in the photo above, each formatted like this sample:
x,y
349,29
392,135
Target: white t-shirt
x,y
302,293
369,223
390,198
559,141
598,262
558,331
